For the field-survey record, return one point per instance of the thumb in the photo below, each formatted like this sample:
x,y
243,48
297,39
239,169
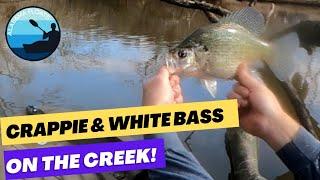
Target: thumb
x,y
163,72
245,78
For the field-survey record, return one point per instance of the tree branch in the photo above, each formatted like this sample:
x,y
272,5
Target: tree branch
x,y
296,2
304,117
202,5
211,16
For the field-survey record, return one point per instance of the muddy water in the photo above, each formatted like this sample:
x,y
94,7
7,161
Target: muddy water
x,y
103,43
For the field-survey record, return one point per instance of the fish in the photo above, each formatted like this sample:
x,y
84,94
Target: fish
x,y
215,51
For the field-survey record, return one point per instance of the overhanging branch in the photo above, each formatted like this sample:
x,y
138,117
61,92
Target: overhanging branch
x,y
202,5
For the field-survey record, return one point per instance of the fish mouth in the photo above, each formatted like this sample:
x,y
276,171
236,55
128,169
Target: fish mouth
x,y
170,62
173,65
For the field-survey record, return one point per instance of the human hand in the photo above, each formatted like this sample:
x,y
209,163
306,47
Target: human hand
x,y
260,112
163,88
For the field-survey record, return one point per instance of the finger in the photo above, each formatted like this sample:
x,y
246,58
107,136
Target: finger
x,y
241,90
177,95
172,83
163,72
174,80
179,99
177,89
171,70
245,78
236,96
243,103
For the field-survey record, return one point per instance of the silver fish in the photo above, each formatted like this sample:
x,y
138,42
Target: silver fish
x,y
215,51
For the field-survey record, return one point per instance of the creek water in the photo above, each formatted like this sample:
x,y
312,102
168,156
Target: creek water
x,y
102,49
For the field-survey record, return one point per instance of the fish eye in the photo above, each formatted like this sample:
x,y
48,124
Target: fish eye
x,y
182,53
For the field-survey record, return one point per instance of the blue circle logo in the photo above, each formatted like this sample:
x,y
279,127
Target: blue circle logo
x,y
33,33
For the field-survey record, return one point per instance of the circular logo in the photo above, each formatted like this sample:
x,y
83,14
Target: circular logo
x,y
33,33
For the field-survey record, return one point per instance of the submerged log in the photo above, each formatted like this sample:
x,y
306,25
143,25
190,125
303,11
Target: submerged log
x,y
242,150
304,117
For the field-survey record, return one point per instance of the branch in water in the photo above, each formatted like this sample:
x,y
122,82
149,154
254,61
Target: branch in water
x,y
253,3
202,5
303,113
268,16
212,17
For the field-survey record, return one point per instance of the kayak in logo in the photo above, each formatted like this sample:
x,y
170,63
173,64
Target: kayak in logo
x,y
33,33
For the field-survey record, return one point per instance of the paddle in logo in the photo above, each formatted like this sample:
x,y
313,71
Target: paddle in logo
x,y
33,33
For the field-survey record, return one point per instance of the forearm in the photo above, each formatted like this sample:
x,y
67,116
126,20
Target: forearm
x,y
295,146
281,131
301,155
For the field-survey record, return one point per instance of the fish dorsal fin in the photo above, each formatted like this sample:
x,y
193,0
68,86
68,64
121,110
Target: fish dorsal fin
x,y
249,18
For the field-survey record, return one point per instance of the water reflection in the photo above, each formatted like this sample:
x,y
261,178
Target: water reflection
x,y
101,40
95,65
296,65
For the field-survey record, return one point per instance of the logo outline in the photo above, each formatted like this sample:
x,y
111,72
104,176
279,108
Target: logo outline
x,y
9,20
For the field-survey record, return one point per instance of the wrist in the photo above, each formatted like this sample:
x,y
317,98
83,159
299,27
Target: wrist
x,y
282,130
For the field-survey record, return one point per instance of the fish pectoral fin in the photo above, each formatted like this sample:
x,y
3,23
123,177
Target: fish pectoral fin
x,y
210,85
